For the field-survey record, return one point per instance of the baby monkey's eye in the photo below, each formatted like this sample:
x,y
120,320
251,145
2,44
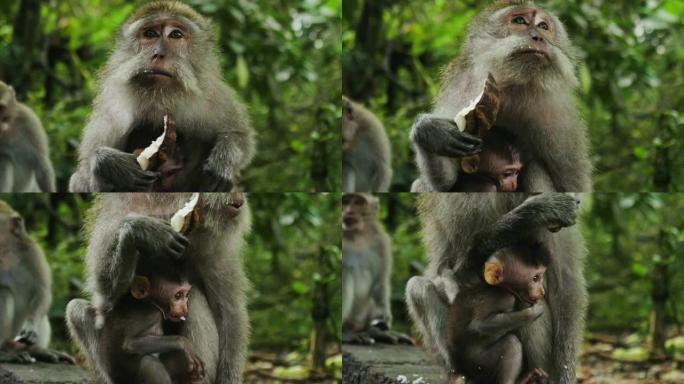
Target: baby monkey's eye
x,y
179,295
536,278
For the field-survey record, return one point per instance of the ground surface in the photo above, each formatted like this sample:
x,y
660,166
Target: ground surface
x,y
42,373
400,364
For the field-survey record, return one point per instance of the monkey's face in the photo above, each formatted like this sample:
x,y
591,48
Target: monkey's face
x,y
525,281
501,168
162,56
355,211
526,44
172,298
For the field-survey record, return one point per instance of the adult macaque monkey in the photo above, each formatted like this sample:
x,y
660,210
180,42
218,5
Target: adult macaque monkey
x,y
124,229
460,228
497,297
366,163
366,269
24,155
25,294
164,63
527,52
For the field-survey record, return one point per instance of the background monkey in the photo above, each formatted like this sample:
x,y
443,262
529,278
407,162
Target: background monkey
x,y
495,169
25,294
134,344
527,51
126,228
164,62
366,269
496,298
24,155
366,163
460,226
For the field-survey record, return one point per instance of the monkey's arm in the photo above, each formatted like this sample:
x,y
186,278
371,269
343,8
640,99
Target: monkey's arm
x,y
232,152
381,291
544,210
117,256
6,174
45,175
496,326
147,345
438,144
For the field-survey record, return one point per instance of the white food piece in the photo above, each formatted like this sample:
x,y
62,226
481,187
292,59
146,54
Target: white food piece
x,y
182,318
402,379
152,149
460,118
178,219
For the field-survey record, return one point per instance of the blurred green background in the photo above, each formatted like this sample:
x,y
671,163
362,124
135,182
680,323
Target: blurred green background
x,y
292,257
631,78
634,270
281,57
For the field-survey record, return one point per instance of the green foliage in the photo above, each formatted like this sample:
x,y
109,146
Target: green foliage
x,y
630,79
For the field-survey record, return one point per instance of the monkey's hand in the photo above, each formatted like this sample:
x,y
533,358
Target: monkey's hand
x,y
193,362
532,313
28,337
120,172
555,210
215,182
441,137
152,236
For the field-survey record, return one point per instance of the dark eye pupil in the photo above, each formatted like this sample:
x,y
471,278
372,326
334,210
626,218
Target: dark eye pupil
x,y
149,33
519,20
176,34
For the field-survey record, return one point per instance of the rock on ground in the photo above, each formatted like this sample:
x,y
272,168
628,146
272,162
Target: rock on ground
x,y
43,373
389,364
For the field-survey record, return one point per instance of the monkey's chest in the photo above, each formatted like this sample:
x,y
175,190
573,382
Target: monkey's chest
x,y
180,167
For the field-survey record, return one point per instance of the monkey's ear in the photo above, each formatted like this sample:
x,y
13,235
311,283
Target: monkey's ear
x,y
470,164
493,271
140,287
17,225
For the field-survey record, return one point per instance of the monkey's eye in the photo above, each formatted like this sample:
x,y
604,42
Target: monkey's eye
x,y
176,34
150,33
543,25
519,20
536,278
178,296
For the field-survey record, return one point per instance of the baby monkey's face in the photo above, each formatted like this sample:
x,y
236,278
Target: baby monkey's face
x,y
173,298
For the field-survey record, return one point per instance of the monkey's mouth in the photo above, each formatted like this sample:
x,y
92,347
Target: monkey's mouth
x,y
156,73
530,52
237,201
349,221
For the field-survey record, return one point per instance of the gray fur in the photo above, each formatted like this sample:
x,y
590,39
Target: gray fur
x,y
206,110
24,154
367,164
456,224
125,227
25,287
537,105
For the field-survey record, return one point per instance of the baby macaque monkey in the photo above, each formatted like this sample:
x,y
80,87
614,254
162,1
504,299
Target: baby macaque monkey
x,y
139,350
489,309
495,169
